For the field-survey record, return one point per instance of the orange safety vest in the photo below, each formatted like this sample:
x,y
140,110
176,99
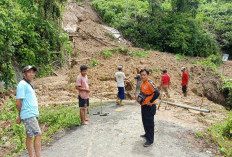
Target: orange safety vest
x,y
148,88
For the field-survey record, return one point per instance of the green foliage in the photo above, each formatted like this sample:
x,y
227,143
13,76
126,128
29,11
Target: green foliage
x,y
227,130
30,34
156,69
125,51
107,53
199,134
140,54
180,57
222,134
217,18
227,88
55,118
213,61
93,63
160,26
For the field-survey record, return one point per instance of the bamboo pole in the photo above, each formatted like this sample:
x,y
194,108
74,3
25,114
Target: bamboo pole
x,y
187,107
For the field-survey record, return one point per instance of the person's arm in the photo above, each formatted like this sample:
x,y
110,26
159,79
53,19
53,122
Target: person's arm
x,y
155,96
156,92
169,82
124,77
18,106
161,82
82,89
78,86
115,79
20,95
186,78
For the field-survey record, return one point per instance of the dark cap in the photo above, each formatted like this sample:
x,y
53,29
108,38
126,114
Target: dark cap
x,y
29,67
164,71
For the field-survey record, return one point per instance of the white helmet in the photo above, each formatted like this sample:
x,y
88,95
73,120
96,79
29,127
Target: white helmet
x,y
182,68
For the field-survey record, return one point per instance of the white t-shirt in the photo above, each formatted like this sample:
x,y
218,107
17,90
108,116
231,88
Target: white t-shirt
x,y
120,76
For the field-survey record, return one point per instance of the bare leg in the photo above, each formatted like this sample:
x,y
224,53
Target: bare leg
x,y
185,94
82,114
29,145
117,101
121,102
37,145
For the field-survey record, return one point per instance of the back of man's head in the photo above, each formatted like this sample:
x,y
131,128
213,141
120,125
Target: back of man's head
x,y
120,67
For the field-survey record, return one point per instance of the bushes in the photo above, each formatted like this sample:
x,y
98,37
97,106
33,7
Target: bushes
x,y
30,34
222,134
52,119
227,130
227,88
217,18
161,28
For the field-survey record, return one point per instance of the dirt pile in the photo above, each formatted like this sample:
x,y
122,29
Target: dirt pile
x,y
90,38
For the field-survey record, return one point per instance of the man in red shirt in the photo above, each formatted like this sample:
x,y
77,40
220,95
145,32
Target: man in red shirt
x,y
165,82
185,78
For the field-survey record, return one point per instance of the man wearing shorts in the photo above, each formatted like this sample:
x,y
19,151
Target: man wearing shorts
x,y
185,79
27,106
83,87
119,78
165,82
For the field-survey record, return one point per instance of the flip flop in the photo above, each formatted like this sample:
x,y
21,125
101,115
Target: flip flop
x,y
96,113
104,114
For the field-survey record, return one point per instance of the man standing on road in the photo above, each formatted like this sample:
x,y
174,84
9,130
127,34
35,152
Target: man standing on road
x,y
83,87
27,106
165,82
119,78
148,106
185,79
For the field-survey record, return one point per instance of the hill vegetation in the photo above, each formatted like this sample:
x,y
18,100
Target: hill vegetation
x,y
193,27
31,33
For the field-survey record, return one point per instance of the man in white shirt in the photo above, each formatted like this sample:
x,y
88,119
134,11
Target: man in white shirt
x,y
119,78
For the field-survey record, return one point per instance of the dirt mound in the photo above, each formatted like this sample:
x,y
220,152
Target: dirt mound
x,y
89,39
207,83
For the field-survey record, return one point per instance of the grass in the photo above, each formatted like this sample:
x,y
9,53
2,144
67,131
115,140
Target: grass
x,y
156,69
180,57
107,53
52,119
140,54
199,134
93,63
221,134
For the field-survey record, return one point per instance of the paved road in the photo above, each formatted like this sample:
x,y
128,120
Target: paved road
x,y
117,135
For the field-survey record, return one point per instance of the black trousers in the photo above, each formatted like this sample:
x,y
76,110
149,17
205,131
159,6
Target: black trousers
x,y
148,113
